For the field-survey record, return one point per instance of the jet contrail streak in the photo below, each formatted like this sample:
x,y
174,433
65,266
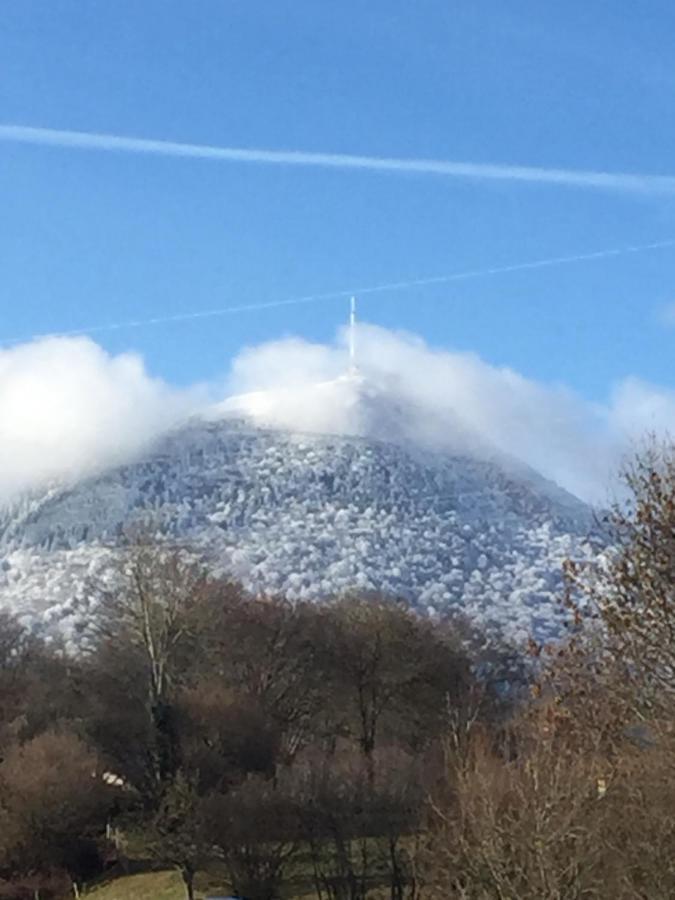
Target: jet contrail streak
x,y
349,292
83,140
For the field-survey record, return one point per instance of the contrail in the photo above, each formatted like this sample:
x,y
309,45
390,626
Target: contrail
x,y
348,292
82,140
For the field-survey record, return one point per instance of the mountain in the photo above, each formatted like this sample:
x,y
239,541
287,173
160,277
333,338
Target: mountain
x,y
310,492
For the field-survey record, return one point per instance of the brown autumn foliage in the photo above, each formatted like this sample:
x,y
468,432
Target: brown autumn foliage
x,y
630,592
557,814
53,805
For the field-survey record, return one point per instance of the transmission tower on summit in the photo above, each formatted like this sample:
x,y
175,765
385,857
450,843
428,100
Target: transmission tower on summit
x,y
353,368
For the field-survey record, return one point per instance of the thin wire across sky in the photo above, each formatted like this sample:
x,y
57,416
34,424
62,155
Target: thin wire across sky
x,y
345,293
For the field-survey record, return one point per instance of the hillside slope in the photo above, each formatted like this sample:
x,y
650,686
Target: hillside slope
x,y
309,515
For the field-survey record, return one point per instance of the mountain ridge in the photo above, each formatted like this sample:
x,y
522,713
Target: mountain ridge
x,y
309,514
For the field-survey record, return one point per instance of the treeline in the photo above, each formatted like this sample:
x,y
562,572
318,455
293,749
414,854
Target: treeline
x,y
196,723
351,750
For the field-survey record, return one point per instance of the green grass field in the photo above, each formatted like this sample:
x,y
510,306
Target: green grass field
x,y
167,885
153,886
148,886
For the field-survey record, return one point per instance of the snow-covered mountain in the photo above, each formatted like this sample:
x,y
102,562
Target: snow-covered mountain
x,y
309,492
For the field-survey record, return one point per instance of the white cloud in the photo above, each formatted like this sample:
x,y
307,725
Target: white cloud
x,y
638,408
68,409
450,397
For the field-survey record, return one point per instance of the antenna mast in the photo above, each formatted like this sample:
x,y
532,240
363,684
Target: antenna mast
x,y
352,336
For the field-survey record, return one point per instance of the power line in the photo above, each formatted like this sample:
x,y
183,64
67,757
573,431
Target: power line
x,y
347,292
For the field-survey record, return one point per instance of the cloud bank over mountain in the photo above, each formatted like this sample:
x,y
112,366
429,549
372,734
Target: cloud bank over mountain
x,y
68,409
578,444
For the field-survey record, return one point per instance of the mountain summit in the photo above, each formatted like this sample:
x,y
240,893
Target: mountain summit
x,y
310,491
350,405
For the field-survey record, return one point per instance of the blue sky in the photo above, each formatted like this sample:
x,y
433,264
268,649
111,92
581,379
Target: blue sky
x,y
89,237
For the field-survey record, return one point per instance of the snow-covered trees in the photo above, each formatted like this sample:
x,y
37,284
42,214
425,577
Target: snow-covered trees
x,y
310,518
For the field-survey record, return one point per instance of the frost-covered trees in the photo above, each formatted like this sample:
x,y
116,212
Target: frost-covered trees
x,y
310,518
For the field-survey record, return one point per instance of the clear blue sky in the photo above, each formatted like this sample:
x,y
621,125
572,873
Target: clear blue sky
x,y
92,237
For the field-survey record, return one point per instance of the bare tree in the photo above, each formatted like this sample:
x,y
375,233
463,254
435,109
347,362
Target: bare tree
x,y
176,835
255,830
396,673
33,682
149,624
224,736
629,591
360,833
268,650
